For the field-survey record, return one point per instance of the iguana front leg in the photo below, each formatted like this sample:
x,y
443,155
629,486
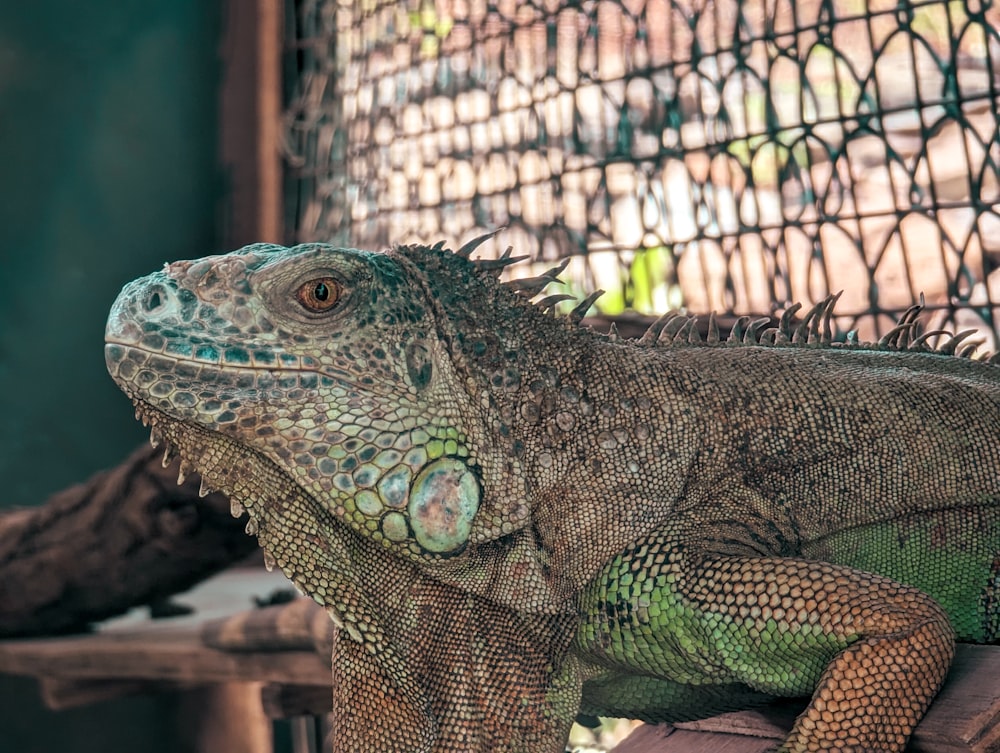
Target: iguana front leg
x,y
871,652
892,647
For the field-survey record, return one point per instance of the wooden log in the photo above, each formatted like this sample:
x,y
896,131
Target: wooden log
x,y
126,536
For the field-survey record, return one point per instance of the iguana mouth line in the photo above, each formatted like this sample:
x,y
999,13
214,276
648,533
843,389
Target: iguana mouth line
x,y
228,367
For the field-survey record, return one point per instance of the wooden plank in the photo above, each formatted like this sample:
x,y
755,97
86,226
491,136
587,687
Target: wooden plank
x,y
59,694
964,718
137,648
285,701
217,718
163,655
772,722
663,738
966,714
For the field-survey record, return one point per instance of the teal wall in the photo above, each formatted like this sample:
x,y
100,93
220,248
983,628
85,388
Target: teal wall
x,y
108,168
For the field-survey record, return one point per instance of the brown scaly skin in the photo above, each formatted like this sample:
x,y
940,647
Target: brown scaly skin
x,y
514,518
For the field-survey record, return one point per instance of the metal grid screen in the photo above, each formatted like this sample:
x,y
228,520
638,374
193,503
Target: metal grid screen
x,y
727,156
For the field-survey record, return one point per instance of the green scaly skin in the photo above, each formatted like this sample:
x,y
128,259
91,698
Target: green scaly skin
x,y
515,519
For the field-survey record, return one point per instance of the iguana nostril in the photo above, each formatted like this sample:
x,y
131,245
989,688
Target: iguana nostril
x,y
154,299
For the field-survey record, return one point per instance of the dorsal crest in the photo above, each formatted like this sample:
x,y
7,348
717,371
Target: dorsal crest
x,y
814,329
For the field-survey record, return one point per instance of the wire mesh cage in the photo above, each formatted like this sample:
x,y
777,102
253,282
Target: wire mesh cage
x,y
711,154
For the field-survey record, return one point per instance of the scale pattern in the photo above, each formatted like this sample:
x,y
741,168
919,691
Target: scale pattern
x,y
513,519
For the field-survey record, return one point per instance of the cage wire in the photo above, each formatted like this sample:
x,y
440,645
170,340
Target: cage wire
x,y
712,154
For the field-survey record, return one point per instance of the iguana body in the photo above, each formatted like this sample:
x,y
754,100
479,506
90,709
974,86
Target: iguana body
x,y
515,519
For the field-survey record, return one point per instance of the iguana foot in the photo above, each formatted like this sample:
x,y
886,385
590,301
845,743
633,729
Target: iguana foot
x,y
873,693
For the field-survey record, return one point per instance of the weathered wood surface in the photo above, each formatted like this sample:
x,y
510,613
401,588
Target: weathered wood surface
x,y
964,717
169,651
217,694
127,536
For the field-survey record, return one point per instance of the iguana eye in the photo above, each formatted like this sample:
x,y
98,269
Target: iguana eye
x,y
319,295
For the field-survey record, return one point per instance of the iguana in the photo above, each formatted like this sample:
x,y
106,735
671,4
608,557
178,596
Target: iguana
x,y
514,519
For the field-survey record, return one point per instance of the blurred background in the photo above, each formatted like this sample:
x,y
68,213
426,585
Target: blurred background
x,y
109,157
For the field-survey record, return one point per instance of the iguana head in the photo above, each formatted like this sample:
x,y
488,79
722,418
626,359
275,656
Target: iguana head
x,y
347,372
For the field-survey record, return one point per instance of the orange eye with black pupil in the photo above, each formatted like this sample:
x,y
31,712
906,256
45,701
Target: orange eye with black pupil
x,y
319,295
